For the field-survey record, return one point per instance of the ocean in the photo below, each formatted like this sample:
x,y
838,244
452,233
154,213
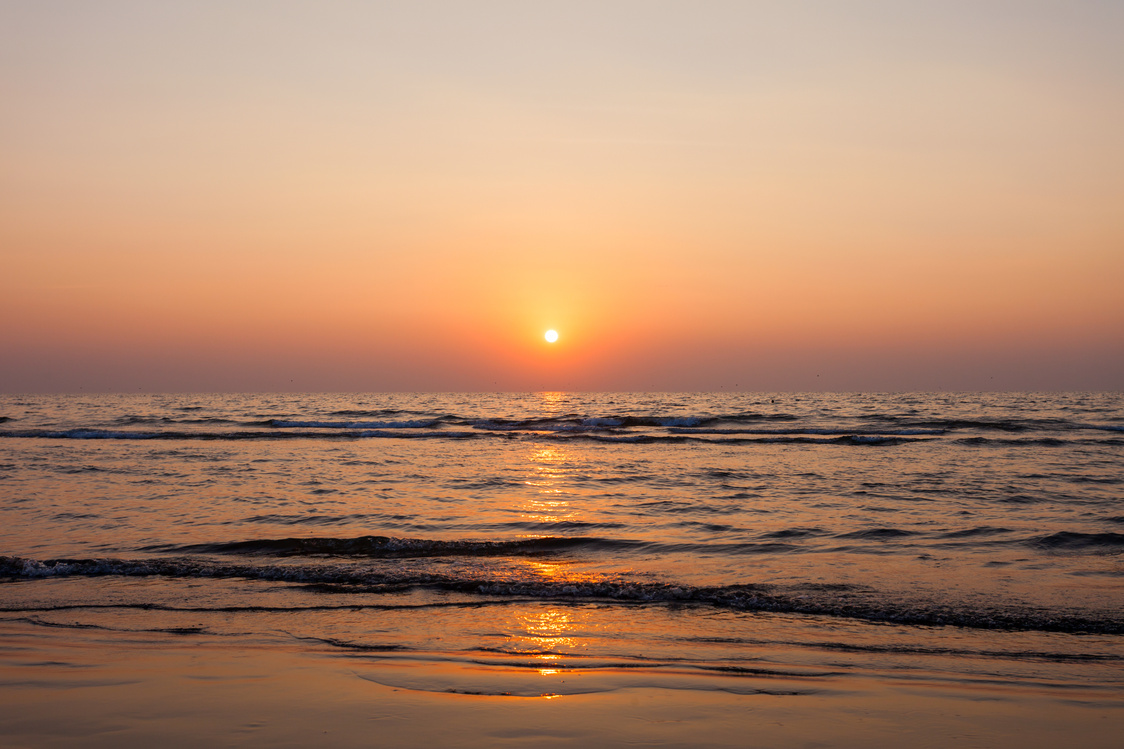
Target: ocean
x,y
548,545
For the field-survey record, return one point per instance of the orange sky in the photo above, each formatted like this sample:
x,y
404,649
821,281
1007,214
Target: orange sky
x,y
760,196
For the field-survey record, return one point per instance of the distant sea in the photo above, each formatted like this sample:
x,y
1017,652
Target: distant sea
x,y
723,541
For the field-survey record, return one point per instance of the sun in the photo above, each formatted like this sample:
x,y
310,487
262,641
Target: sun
x,y
551,336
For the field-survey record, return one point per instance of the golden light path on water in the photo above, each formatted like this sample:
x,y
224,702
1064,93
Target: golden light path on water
x,y
548,472
551,504
544,633
547,635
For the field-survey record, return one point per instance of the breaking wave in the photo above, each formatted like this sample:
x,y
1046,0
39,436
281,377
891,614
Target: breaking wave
x,y
830,600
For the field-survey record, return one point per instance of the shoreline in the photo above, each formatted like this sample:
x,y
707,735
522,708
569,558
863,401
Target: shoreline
x,y
98,688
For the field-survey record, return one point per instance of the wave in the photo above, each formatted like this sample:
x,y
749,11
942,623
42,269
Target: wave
x,y
133,420
847,439
415,424
833,601
1035,441
676,414
421,433
871,423
1071,541
878,534
110,434
843,426
320,519
386,547
1103,427
591,423
847,432
983,530
378,547
773,542
723,428
618,422
379,412
795,533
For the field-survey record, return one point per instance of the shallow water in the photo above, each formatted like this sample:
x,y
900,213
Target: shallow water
x,y
714,541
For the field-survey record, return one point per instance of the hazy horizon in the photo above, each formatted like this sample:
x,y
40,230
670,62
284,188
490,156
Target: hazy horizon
x,y
403,197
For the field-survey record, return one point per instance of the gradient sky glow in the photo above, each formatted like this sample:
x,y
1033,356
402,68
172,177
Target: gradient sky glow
x,y
363,196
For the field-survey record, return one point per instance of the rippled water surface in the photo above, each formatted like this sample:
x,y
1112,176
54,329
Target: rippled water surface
x,y
595,526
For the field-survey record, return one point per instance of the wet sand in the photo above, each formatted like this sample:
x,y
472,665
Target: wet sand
x,y
62,687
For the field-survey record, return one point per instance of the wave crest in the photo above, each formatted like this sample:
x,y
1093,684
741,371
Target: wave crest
x,y
834,601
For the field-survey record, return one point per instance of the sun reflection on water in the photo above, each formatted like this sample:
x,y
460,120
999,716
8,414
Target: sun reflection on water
x,y
550,501
547,635
551,402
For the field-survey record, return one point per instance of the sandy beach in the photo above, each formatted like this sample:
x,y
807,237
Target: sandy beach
x,y
66,687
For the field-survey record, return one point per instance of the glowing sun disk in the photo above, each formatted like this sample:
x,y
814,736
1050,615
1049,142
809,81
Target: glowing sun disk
x,y
551,336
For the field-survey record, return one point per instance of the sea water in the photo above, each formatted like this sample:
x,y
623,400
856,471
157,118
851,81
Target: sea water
x,y
748,543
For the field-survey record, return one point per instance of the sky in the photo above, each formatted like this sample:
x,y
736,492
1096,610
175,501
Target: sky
x,y
698,196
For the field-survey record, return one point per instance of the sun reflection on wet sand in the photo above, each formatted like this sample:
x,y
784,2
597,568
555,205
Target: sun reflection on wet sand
x,y
546,636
